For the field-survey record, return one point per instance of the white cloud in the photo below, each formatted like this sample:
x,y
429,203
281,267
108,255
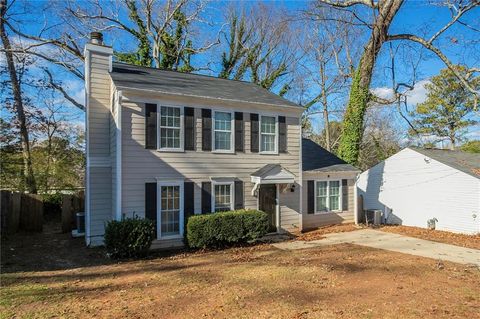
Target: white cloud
x,y
415,96
418,94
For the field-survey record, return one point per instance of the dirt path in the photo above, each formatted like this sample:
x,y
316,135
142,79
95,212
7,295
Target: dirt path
x,y
392,242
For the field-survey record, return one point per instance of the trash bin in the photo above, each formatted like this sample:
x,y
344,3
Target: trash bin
x,y
80,222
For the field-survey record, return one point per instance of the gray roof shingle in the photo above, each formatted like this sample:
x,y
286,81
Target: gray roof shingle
x,y
316,158
468,163
188,84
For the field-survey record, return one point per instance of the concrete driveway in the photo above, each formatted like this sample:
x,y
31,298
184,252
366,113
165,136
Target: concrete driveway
x,y
392,242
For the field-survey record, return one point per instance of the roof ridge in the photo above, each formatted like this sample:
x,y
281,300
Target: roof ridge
x,y
188,73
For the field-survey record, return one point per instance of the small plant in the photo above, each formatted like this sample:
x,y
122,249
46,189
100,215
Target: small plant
x,y
220,229
129,238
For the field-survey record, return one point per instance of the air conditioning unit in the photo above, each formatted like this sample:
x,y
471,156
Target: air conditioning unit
x,y
373,216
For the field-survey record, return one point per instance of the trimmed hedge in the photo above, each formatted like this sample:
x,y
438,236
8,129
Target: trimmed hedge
x,y
130,237
219,229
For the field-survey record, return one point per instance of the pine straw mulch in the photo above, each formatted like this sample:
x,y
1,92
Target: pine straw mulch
x,y
469,241
320,232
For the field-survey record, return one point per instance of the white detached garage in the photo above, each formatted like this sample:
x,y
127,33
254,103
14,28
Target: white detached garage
x,y
416,185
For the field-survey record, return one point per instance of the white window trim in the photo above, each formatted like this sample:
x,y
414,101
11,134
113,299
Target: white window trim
x,y
232,133
340,199
232,194
179,183
275,152
159,129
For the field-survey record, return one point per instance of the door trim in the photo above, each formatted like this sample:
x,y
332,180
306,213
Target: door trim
x,y
178,183
277,204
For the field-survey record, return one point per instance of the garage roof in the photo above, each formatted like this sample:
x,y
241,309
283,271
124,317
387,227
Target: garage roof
x,y
468,163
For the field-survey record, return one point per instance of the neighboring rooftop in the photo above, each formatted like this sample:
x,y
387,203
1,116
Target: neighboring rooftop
x,y
468,163
316,158
195,85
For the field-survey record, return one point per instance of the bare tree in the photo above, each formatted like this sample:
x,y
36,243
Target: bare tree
x,y
383,13
17,100
259,47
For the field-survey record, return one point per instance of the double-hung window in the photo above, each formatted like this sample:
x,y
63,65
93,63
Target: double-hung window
x,y
222,131
327,196
171,209
268,134
223,197
170,128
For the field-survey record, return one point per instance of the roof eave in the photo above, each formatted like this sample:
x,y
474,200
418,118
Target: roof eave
x,y
290,107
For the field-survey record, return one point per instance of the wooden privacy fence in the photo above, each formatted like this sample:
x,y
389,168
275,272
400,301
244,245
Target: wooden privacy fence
x,y
71,205
21,211
24,212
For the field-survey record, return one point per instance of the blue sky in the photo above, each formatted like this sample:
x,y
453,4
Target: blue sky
x,y
415,17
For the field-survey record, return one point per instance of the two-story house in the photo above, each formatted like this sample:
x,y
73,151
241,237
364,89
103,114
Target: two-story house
x,y
165,145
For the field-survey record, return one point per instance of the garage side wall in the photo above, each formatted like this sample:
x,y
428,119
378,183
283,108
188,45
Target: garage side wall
x,y
412,188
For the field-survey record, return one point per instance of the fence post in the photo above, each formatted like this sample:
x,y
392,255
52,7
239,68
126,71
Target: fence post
x,y
31,212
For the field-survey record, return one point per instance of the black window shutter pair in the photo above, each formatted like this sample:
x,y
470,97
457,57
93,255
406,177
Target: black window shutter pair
x,y
311,196
207,196
207,130
255,131
151,127
151,201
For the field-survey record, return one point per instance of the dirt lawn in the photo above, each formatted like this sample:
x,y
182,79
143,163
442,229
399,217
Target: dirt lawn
x,y
343,281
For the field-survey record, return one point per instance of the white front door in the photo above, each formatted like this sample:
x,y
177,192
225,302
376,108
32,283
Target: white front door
x,y
170,212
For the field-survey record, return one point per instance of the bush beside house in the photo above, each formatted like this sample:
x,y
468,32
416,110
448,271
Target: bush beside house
x,y
218,229
130,237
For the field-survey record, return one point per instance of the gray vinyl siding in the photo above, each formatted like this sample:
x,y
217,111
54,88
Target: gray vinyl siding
x,y
99,142
140,165
311,221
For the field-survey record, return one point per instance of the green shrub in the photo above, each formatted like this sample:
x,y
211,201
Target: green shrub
x,y
130,237
219,229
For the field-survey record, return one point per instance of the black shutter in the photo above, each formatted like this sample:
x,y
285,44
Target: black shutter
x,y
254,133
151,126
188,200
206,197
206,129
239,195
239,132
189,124
310,197
282,135
344,194
151,203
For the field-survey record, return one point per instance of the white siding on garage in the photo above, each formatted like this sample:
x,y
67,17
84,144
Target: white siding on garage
x,y
417,188
140,165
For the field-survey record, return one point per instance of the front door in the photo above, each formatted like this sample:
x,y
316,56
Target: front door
x,y
267,202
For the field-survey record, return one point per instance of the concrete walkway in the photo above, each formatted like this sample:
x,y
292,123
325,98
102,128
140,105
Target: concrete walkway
x,y
392,242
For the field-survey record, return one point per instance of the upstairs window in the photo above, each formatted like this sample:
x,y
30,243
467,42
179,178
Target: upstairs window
x,y
268,134
170,128
222,133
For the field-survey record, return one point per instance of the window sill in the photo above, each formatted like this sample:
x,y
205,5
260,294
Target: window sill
x,y
170,150
170,237
329,212
268,153
223,152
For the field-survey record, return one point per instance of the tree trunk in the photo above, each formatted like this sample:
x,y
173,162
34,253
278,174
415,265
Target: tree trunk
x,y
353,121
18,103
328,143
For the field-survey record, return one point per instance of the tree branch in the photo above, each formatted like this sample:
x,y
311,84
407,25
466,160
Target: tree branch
x,y
345,4
61,90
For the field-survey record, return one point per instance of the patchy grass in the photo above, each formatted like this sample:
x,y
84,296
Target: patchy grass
x,y
343,281
469,241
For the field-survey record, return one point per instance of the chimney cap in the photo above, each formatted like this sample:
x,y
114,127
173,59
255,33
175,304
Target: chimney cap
x,y
96,37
